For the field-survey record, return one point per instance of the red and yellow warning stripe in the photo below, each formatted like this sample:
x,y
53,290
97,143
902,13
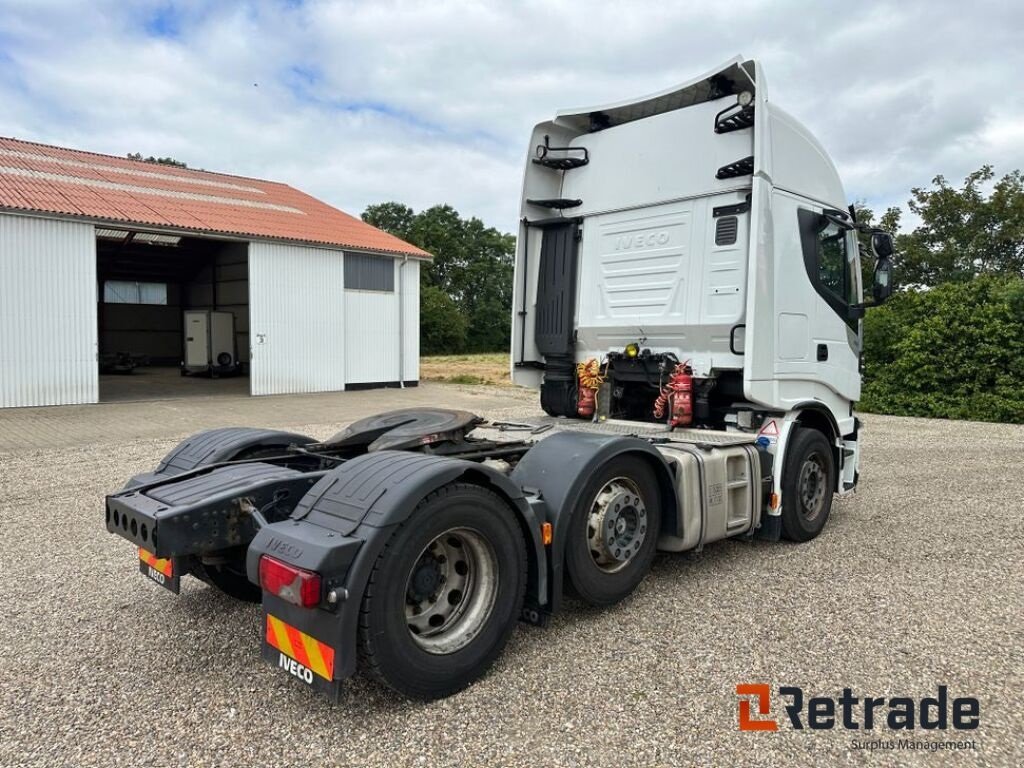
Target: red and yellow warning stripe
x,y
306,650
162,564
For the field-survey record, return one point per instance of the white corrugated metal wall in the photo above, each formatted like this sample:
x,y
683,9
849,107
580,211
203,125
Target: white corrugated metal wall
x,y
296,319
47,312
373,345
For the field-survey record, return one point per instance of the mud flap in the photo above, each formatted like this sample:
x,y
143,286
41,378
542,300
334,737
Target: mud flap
x,y
300,655
165,571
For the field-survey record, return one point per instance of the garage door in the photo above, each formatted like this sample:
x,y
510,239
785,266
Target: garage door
x,y
297,319
47,312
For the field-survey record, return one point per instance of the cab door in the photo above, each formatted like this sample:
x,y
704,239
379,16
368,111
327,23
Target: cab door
x,y
803,340
832,266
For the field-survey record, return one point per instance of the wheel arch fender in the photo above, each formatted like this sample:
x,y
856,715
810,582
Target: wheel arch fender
x,y
815,415
366,499
215,445
559,467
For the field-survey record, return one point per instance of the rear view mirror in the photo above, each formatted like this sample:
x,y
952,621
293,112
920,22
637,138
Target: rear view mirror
x,y
881,244
882,288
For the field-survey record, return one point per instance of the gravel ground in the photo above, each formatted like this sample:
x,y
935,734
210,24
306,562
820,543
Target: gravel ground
x,y
916,581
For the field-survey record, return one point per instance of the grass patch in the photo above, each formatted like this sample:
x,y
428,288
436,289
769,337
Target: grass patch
x,y
485,368
465,378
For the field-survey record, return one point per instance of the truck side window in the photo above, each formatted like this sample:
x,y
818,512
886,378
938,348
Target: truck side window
x,y
832,259
830,264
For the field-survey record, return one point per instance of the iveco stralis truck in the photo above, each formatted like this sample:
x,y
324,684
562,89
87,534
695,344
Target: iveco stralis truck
x,y
688,301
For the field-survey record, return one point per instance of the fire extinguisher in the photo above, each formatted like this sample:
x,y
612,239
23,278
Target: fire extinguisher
x,y
590,380
676,397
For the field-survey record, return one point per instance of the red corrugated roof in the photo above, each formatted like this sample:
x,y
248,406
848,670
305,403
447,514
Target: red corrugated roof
x,y
47,179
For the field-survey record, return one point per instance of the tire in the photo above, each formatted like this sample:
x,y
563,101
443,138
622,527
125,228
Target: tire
x,y
415,579
808,482
596,573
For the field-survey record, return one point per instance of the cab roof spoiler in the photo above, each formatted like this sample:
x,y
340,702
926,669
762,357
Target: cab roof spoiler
x,y
732,77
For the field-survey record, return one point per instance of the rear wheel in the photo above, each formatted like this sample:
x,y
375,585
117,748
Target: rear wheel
x,y
445,593
808,481
614,531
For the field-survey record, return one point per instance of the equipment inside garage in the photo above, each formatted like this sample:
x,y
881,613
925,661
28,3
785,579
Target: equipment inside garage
x,y
210,346
169,306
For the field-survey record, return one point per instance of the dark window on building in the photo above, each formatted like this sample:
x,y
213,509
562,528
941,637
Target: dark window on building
x,y
369,273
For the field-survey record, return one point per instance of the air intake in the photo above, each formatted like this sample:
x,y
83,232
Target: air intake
x,y
725,230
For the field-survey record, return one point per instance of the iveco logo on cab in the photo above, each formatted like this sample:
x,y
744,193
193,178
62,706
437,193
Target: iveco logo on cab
x,y
291,665
641,240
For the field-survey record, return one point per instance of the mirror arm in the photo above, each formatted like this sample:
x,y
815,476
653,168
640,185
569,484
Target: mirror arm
x,y
839,218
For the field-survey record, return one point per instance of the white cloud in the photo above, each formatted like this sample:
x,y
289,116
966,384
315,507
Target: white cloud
x,y
359,102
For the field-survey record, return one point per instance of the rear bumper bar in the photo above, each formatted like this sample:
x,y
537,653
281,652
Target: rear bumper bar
x,y
203,511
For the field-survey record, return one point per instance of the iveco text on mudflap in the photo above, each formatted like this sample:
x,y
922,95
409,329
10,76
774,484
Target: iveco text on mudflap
x,y
688,302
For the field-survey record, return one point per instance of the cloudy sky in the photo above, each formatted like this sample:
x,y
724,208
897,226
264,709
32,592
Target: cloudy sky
x,y
427,102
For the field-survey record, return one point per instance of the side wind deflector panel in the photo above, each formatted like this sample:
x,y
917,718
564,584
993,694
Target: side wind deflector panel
x,y
556,289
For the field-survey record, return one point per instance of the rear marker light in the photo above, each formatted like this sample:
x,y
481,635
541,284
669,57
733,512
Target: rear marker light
x,y
294,585
546,533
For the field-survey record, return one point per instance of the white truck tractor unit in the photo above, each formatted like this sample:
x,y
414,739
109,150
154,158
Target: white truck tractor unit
x,y
687,300
697,243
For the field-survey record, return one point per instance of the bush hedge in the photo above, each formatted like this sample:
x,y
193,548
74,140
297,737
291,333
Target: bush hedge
x,y
955,351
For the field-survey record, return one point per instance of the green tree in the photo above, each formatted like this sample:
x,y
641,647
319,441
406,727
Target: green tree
x,y
156,160
442,326
395,218
472,266
964,232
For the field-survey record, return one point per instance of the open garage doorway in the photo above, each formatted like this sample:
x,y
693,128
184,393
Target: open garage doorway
x,y
172,316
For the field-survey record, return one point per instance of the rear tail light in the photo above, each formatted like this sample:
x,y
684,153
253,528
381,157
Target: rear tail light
x,y
289,583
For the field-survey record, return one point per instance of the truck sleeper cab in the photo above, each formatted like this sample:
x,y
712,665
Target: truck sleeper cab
x,y
687,301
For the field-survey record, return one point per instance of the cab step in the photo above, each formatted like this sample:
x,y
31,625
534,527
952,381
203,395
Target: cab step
x,y
727,121
566,158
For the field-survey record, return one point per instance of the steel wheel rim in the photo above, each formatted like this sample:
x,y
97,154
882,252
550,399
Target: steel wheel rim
x,y
812,485
451,591
617,525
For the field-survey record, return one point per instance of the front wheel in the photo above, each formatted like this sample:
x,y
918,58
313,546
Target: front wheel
x,y
808,481
445,594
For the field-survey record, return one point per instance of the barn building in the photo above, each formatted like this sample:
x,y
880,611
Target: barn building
x,y
115,270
